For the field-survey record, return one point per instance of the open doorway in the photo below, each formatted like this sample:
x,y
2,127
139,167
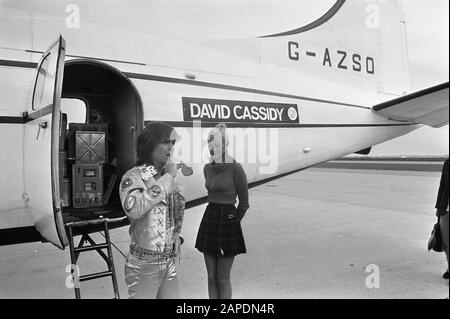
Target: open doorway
x,y
101,118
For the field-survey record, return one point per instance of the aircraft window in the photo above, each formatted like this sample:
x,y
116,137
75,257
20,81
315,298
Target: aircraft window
x,y
44,86
75,110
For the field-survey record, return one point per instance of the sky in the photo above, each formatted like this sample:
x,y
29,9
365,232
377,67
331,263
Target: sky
x,y
428,58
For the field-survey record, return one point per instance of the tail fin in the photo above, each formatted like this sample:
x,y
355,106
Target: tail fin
x,y
355,43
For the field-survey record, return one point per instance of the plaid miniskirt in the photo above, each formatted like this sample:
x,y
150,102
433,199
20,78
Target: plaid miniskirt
x,y
220,232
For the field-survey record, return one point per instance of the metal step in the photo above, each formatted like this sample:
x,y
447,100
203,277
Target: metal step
x,y
92,247
96,275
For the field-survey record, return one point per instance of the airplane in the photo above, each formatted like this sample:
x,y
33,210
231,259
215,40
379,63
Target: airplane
x,y
335,81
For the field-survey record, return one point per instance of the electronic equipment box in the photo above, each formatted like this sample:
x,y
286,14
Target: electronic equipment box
x,y
87,185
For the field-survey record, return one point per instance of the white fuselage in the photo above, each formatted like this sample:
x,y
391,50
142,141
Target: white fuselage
x,y
333,104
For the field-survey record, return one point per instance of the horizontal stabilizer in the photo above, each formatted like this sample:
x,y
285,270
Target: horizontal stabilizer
x,y
429,106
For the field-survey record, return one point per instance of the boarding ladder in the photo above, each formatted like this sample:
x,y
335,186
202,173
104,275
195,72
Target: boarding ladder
x,y
85,238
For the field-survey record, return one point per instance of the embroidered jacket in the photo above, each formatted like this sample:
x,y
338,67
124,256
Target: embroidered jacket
x,y
154,206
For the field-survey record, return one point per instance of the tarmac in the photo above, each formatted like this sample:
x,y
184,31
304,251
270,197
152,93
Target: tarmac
x,y
319,233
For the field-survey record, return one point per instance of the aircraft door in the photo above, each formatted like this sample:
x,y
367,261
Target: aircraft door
x,y
41,147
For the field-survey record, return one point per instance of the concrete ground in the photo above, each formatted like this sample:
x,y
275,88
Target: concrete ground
x,y
319,233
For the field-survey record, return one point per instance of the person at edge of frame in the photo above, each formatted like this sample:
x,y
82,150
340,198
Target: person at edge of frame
x,y
442,204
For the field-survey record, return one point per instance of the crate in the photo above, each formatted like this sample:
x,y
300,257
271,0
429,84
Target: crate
x,y
86,127
90,147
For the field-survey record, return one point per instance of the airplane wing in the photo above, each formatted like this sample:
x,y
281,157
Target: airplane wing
x,y
429,106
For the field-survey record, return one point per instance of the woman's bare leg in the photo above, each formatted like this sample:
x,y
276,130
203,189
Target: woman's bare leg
x,y
211,268
224,265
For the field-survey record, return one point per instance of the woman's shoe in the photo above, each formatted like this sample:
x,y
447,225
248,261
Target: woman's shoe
x,y
445,275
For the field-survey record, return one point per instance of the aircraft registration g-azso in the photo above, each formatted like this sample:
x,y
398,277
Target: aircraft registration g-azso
x,y
334,84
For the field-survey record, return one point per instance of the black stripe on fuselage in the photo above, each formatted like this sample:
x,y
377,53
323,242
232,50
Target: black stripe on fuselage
x,y
89,57
28,118
20,120
18,64
150,77
11,120
33,65
157,78
271,125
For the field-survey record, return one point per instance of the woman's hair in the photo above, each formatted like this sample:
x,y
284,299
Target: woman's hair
x,y
152,135
222,129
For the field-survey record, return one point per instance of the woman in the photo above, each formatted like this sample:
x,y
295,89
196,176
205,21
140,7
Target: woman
x,y
442,211
152,201
220,236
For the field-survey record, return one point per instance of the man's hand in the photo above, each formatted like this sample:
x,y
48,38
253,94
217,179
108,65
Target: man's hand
x,y
171,168
178,242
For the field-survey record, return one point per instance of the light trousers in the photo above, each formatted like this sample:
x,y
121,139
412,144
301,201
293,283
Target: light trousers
x,y
151,277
